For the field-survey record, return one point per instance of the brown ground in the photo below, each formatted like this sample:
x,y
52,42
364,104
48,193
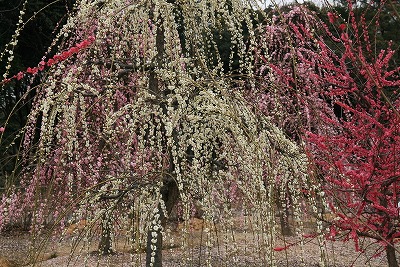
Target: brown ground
x,y
14,251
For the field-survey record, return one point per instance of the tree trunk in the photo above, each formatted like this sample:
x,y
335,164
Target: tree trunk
x,y
154,243
169,190
283,214
170,194
391,255
105,246
284,220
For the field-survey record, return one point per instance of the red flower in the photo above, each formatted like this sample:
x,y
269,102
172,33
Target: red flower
x,y
281,248
309,235
50,62
19,75
85,43
56,58
42,64
342,27
74,50
91,39
64,55
345,37
332,17
32,70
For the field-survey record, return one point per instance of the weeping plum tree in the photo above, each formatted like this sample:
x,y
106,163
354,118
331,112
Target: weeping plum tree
x,y
137,111
289,86
347,98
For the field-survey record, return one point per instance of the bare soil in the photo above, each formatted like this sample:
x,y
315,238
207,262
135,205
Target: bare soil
x,y
15,250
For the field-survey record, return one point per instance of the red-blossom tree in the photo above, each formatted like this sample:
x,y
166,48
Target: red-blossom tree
x,y
343,98
359,161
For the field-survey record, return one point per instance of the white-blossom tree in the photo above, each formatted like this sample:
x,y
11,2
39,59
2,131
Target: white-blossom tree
x,y
137,110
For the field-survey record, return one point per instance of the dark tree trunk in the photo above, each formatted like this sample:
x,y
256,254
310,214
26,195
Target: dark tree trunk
x,y
170,194
169,190
284,214
390,249
105,246
154,249
391,255
284,220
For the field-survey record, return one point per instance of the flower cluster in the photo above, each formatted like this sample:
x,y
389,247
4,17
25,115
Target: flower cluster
x,y
52,61
344,106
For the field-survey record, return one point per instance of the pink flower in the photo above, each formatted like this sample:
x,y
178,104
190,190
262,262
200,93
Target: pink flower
x,y
74,50
42,64
19,75
342,27
85,43
64,55
332,17
56,58
50,62
80,45
2,129
91,39
344,37
32,70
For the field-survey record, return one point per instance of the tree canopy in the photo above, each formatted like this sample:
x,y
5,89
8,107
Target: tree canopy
x,y
138,107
